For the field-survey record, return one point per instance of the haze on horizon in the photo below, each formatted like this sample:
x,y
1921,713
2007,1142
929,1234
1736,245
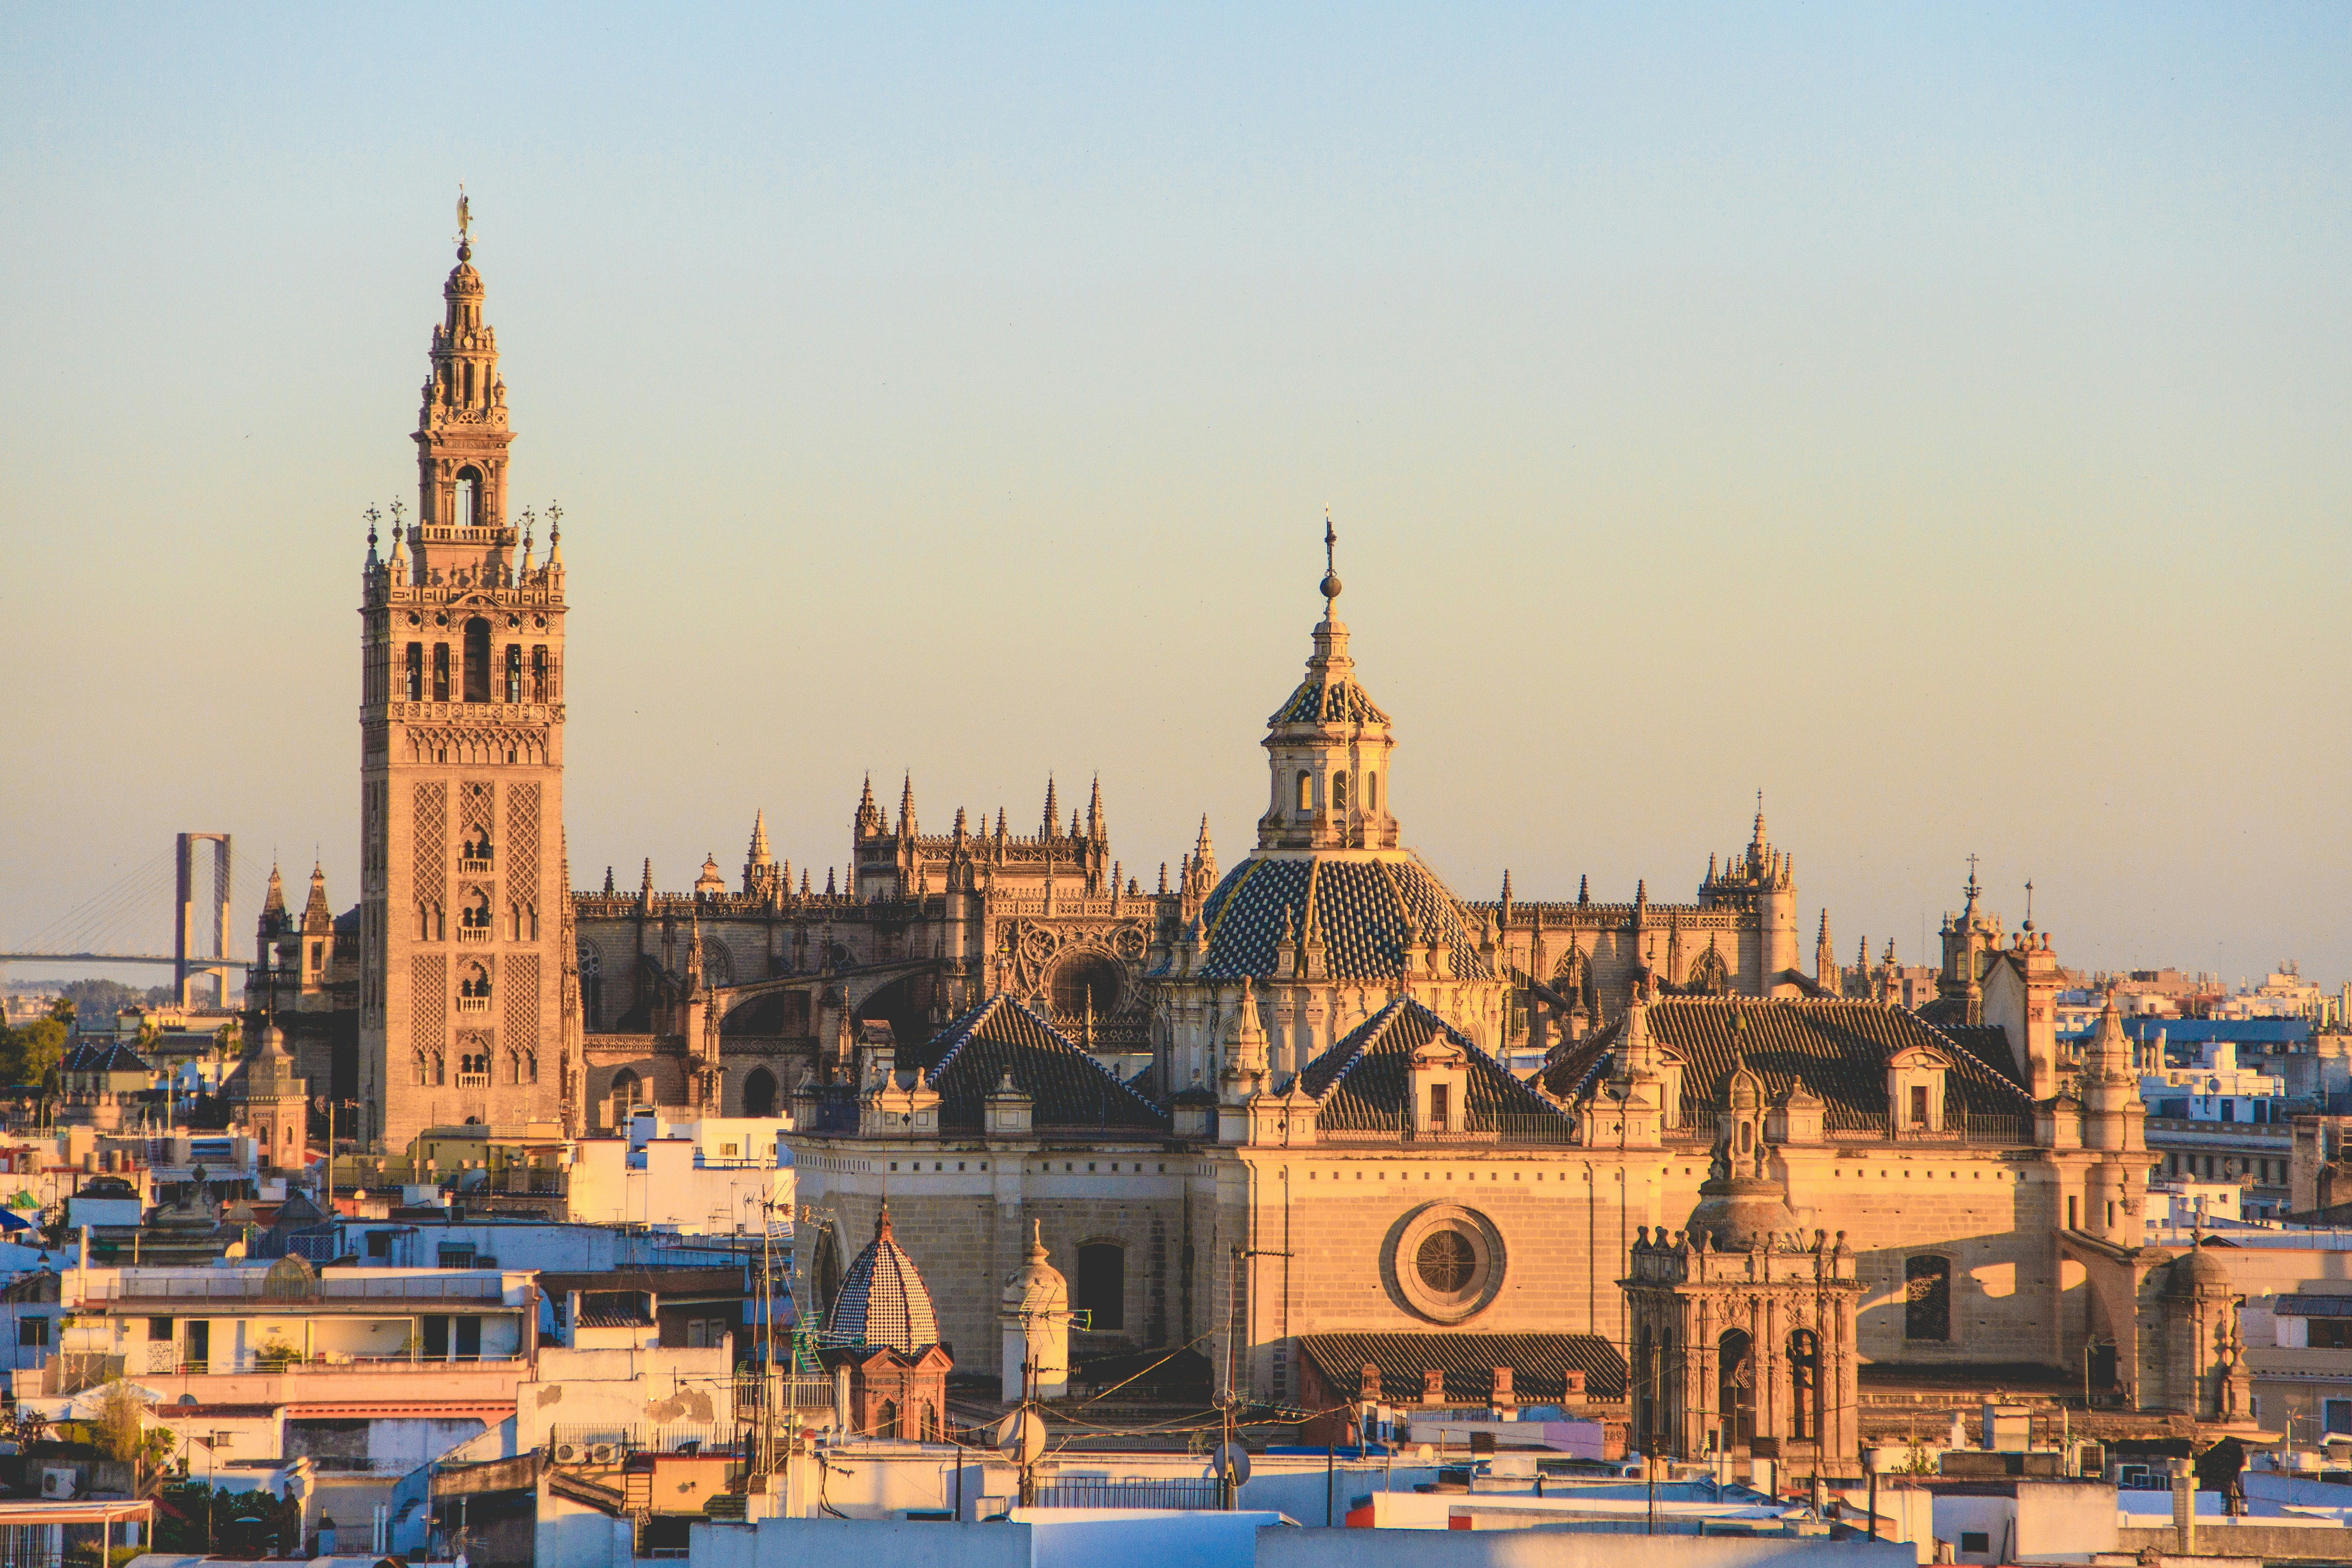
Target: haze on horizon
x,y
1935,421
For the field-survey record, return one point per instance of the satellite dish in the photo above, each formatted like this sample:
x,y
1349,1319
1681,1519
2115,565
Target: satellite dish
x,y
1021,1437
1232,1457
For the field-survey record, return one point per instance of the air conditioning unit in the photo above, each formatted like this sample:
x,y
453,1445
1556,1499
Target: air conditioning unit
x,y
57,1484
567,1453
603,1454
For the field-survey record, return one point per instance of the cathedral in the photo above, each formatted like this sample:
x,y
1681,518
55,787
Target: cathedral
x,y
1315,1116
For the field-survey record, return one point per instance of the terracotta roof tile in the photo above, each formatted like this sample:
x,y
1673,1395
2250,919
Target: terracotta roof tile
x,y
1538,1363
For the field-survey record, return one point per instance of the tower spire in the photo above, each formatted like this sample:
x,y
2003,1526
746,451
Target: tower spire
x,y
461,534
907,805
1050,813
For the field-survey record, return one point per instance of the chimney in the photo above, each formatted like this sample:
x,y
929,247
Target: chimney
x,y
1433,1385
1368,1389
1504,1398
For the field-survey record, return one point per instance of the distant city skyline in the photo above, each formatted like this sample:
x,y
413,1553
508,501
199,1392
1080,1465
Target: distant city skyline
x,y
1932,422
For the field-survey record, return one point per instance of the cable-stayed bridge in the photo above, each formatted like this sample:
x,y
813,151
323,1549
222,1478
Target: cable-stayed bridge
x,y
111,924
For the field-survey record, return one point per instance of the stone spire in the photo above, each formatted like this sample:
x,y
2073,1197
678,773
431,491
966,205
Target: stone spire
x,y
1052,813
462,436
274,902
1097,829
1825,968
317,919
869,816
759,873
907,806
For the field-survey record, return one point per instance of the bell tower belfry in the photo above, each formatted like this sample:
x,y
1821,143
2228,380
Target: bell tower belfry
x,y
468,1002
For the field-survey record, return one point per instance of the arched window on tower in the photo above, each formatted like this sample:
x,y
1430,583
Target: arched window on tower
x,y
538,675
478,661
1371,792
1305,791
514,672
1338,795
469,483
440,672
415,686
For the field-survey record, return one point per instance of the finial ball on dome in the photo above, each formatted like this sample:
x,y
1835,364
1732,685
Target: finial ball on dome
x,y
1331,584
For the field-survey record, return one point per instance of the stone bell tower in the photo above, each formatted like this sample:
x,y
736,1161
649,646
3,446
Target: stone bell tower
x,y
468,1002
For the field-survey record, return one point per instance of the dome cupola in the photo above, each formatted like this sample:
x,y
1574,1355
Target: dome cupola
x,y
883,1302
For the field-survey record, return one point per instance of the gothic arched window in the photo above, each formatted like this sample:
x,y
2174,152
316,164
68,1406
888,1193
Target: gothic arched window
x,y
759,1093
628,1090
1927,1298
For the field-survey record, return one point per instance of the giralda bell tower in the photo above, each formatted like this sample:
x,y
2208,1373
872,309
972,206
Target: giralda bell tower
x,y
469,1002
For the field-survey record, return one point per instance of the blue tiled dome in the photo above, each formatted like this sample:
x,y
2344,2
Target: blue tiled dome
x,y
883,1300
1366,907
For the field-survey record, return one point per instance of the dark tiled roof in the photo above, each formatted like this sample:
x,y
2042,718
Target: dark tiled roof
x,y
1341,703
1067,1087
1364,909
111,1058
1838,1048
1989,1043
1363,1083
1537,1362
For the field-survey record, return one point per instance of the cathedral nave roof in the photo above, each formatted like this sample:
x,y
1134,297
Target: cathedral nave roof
x,y
1363,1084
1366,908
1838,1049
1068,1088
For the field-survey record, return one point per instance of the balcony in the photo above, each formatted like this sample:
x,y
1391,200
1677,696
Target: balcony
x,y
473,868
245,1285
473,1080
473,933
473,1004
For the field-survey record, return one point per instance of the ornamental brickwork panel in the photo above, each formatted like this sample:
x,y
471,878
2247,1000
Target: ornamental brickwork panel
x,y
432,841
522,980
522,841
428,1012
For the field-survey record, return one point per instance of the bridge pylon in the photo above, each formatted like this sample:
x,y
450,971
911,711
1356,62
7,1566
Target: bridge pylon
x,y
189,967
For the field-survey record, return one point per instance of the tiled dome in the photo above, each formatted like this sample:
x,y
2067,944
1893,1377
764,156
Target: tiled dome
x,y
1366,908
883,1300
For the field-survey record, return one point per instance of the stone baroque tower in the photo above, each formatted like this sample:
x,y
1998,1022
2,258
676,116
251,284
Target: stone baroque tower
x,y
467,1006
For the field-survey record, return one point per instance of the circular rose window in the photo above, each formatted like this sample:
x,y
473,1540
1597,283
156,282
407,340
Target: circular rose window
x,y
1446,1262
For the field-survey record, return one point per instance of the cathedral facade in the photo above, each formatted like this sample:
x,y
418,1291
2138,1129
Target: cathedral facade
x,y
1284,1113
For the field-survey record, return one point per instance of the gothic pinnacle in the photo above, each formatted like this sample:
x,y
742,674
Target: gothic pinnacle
x,y
907,806
1052,813
1584,888
1095,812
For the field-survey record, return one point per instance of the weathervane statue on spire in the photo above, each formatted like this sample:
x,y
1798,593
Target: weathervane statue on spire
x,y
465,221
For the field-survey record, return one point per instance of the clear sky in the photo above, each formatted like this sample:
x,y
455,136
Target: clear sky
x,y
1932,416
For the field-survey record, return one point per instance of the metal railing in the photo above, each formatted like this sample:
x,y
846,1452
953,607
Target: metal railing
x,y
1087,1492
248,1286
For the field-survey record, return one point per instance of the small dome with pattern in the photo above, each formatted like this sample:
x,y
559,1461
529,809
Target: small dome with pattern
x,y
883,1301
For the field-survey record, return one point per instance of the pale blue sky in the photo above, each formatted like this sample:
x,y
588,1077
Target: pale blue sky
x,y
1936,419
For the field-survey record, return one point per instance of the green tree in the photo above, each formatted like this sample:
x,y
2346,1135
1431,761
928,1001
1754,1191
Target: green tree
x,y
28,1055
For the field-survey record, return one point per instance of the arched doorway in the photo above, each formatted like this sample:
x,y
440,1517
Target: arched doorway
x,y
628,1090
759,1093
1736,1389
886,1419
1804,1385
